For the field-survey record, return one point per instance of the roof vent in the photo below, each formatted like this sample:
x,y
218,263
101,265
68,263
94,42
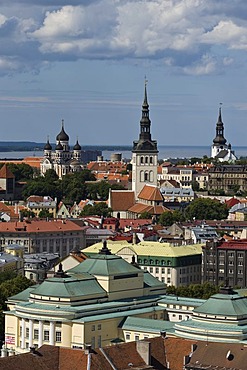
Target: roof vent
x,y
229,356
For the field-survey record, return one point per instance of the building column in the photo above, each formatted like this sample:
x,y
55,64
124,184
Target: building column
x,y
23,332
40,333
52,333
30,333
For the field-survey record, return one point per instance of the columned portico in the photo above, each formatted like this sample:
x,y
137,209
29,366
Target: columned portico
x,y
23,331
30,333
52,333
40,333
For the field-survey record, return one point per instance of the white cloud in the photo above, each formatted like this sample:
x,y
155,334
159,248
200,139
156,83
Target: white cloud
x,y
178,33
207,65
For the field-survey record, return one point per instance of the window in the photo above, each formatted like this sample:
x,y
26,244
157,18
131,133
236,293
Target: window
x,y
58,336
27,332
180,317
46,335
137,337
151,269
163,270
93,328
36,334
157,270
99,326
127,336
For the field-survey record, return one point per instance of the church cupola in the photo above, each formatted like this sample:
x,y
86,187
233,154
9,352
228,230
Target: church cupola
x,y
219,138
63,138
59,147
47,148
77,146
77,151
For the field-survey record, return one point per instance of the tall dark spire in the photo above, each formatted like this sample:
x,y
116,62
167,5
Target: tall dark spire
x,y
219,138
145,122
145,141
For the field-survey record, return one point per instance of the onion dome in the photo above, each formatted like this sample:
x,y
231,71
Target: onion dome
x,y
77,146
59,146
47,145
62,136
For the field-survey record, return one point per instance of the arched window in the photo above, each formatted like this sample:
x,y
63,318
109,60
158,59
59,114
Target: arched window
x,y
146,176
151,160
142,160
146,159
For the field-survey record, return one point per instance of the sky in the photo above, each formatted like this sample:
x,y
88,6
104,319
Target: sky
x,y
86,61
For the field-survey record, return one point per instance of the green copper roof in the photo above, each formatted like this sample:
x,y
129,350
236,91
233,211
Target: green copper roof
x,y
105,265
24,295
143,324
224,305
70,287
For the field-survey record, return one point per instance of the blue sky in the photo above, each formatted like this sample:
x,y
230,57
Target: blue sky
x,y
85,62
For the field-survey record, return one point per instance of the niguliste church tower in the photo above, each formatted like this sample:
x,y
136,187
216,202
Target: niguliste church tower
x,y
144,153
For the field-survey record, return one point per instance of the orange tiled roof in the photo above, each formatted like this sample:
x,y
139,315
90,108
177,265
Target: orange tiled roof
x,y
5,173
121,200
153,210
149,192
39,226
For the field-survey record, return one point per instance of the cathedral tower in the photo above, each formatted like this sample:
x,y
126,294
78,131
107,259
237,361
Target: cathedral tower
x,y
144,153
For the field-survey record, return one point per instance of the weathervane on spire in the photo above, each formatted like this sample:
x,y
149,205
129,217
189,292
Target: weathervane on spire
x,y
62,123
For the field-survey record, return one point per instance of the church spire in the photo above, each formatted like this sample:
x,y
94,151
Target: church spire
x,y
145,122
219,138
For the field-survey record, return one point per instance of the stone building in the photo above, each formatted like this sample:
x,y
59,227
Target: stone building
x,y
225,261
228,178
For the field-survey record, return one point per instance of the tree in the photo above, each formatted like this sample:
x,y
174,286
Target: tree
x,y
145,215
168,218
45,214
21,171
203,291
206,209
99,209
10,284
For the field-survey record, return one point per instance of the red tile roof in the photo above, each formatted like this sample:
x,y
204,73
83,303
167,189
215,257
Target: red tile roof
x,y
5,173
39,226
151,193
153,210
121,200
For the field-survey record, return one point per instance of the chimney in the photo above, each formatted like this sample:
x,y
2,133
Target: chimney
x,y
88,349
32,350
144,350
134,238
11,352
4,351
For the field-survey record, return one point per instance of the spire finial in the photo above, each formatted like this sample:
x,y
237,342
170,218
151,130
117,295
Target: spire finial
x,y
145,102
48,138
62,123
220,105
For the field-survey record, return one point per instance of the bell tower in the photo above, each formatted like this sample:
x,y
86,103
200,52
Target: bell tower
x,y
144,152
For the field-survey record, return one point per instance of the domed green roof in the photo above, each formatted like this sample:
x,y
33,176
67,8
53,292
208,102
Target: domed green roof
x,y
69,286
226,303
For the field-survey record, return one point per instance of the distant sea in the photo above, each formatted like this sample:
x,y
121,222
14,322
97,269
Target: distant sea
x,y
165,152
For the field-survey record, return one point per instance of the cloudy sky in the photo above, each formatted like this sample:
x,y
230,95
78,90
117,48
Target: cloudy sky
x,y
85,62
